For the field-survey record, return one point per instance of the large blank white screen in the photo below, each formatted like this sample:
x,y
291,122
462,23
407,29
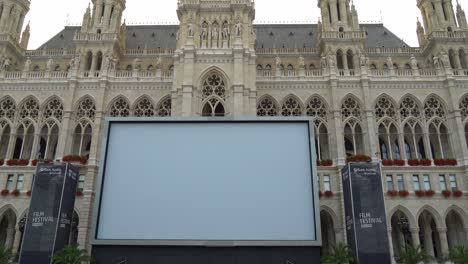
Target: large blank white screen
x,y
208,181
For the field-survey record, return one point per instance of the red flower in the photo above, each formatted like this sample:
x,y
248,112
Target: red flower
x,y
430,193
392,193
5,192
425,162
403,193
446,193
79,193
15,192
75,158
1,162
413,162
328,194
29,193
326,163
15,162
387,162
399,163
359,158
458,193
420,193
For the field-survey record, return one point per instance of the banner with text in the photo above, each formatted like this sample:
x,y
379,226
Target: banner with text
x,y
50,213
366,223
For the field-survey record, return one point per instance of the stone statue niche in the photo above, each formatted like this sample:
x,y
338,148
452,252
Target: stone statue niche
x,y
225,34
215,35
204,35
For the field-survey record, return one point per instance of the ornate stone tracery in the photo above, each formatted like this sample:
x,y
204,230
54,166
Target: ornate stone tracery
x,y
53,108
30,108
350,108
291,107
267,107
409,108
86,109
463,107
7,108
434,108
385,108
317,108
120,108
164,108
144,108
214,85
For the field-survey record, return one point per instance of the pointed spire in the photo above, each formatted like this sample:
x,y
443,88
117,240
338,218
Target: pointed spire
x,y
25,36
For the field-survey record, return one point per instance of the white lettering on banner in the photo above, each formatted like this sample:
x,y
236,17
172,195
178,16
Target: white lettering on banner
x,y
367,221
366,171
349,222
39,219
64,221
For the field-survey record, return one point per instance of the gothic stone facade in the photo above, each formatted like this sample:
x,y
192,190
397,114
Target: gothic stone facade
x,y
368,91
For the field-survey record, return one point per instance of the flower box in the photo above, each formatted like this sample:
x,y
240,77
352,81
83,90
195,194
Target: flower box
x,y
445,162
36,161
430,193
403,193
387,162
413,162
446,193
29,193
325,163
458,193
392,193
328,194
79,193
15,192
425,162
75,158
5,192
420,193
1,162
359,158
16,162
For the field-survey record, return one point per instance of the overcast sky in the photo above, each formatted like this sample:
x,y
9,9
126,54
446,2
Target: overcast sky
x,y
48,17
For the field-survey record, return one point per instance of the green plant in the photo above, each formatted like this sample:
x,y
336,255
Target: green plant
x,y
412,255
5,255
459,255
341,254
71,254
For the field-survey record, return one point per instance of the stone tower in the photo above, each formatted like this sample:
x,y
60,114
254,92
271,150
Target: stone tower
x,y
12,14
437,15
444,34
339,15
215,58
101,41
106,16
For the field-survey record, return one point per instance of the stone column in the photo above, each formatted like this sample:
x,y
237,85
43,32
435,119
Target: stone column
x,y
456,58
390,243
34,151
428,242
5,17
16,241
94,64
334,12
97,14
11,144
345,61
439,11
343,11
63,136
415,237
443,241
95,139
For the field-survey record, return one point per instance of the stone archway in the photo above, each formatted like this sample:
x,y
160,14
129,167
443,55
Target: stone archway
x,y
429,235
328,233
7,228
401,232
456,235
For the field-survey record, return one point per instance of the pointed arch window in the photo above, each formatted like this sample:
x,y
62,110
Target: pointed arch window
x,y
214,85
5,134
82,138
165,107
86,109
291,107
120,108
30,108
350,108
267,107
48,140
7,108
316,108
213,108
144,108
24,140
53,108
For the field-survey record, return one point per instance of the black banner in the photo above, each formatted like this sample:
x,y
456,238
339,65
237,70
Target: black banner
x,y
49,218
366,222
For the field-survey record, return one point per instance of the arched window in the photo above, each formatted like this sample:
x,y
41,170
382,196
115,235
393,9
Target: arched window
x,y
57,68
455,228
434,108
120,108
144,108
430,240
5,134
7,229
388,140
164,107
316,108
7,108
213,95
463,61
150,68
452,59
86,109
339,59
291,107
385,66
267,107
350,59
373,67
407,66
328,233
82,138
99,61
350,108
24,140
48,140
259,67
401,232
53,109
29,108
312,67
385,108
129,68
88,60
171,71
